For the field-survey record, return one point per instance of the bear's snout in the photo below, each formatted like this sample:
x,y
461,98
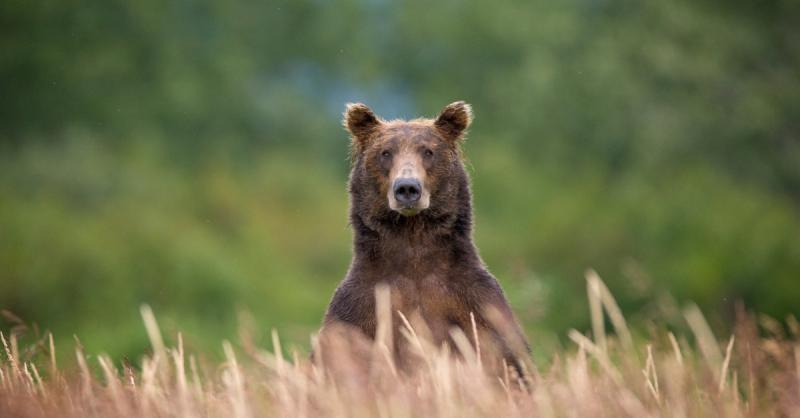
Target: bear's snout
x,y
407,191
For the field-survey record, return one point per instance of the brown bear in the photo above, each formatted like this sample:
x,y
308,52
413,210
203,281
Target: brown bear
x,y
411,214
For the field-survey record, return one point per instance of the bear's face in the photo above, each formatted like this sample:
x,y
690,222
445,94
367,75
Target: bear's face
x,y
411,165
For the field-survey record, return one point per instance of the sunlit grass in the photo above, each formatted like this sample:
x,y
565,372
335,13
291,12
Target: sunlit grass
x,y
754,373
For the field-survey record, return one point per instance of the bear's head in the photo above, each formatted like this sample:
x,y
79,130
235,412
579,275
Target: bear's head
x,y
408,172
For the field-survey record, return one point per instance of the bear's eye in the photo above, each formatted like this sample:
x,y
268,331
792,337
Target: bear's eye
x,y
386,154
428,153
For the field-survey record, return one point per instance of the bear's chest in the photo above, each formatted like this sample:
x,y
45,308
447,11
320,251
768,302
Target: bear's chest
x,y
431,299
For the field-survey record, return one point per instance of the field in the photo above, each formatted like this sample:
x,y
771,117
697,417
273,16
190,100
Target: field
x,y
753,373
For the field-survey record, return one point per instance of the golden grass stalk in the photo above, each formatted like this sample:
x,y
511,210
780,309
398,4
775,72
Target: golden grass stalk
x,y
153,332
676,348
705,339
612,309
651,374
12,359
723,375
594,294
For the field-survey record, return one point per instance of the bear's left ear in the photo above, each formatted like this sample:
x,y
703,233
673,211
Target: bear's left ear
x,y
454,120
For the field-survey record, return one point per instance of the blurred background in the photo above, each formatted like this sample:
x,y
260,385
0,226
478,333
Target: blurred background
x,y
189,155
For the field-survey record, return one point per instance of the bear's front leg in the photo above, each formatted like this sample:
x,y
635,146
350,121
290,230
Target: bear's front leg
x,y
499,333
352,306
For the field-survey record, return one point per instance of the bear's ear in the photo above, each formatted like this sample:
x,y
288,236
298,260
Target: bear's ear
x,y
361,122
454,120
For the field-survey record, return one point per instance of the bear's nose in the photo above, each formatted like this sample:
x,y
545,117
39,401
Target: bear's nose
x,y
407,191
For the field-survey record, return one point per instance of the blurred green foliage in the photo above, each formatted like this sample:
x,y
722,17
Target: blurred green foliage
x,y
189,155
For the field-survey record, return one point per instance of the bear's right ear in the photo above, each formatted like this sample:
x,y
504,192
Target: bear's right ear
x,y
362,123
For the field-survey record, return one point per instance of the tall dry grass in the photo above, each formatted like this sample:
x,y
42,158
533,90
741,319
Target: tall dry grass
x,y
753,373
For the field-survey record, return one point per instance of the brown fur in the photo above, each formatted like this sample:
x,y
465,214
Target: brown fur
x,y
428,260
